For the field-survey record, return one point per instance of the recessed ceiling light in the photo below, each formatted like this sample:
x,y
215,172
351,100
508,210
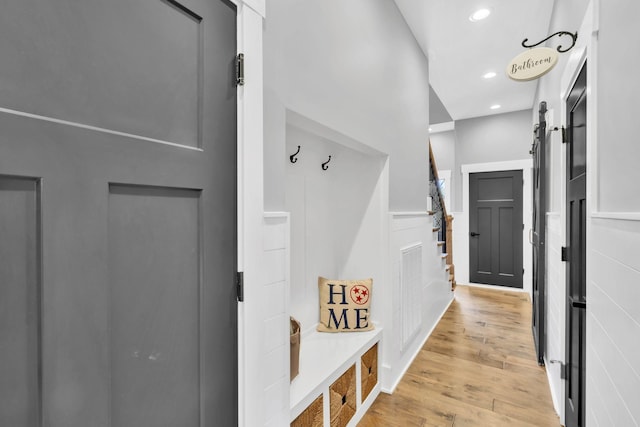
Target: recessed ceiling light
x,y
430,129
479,15
489,75
495,106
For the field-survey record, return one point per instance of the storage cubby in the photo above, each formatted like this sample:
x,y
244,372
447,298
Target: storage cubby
x,y
369,371
342,398
311,416
331,366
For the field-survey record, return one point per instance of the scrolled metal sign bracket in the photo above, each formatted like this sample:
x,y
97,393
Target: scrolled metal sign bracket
x,y
574,37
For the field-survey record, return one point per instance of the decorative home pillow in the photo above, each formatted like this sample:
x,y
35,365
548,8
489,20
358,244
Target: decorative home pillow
x,y
344,305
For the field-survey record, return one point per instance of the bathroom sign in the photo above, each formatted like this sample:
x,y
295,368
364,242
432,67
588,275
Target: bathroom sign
x,y
532,64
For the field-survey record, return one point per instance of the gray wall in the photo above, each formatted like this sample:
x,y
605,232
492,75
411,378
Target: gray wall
x,y
618,90
438,112
567,16
443,145
495,138
355,68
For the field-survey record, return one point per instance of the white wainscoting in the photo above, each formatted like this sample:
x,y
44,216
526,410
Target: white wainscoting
x,y
275,281
555,309
613,321
434,296
410,287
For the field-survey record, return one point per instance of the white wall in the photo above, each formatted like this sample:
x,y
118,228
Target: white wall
x,y
617,106
613,218
407,229
275,281
353,67
347,79
331,211
613,313
555,309
567,16
613,323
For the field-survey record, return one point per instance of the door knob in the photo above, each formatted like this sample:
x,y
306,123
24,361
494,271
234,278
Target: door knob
x,y
474,234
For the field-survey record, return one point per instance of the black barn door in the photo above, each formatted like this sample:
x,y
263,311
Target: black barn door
x,y
495,224
538,233
576,251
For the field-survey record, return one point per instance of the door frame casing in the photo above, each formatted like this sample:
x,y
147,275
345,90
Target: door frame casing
x,y
250,208
496,274
584,51
585,54
462,230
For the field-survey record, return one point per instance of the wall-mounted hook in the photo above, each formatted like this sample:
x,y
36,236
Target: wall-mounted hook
x,y
324,165
293,157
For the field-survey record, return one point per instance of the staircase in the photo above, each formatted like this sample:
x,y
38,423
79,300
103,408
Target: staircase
x,y
442,222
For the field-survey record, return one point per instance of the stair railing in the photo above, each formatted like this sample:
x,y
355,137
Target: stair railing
x,y
441,219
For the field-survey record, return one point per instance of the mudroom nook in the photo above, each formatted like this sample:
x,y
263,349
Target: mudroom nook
x,y
334,199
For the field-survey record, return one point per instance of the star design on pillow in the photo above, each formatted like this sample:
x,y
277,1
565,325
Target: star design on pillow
x,y
359,294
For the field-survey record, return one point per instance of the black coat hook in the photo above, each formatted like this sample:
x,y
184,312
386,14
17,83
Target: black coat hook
x,y
293,157
324,165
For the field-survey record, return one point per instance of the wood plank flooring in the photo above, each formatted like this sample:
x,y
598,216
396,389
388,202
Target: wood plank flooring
x,y
478,368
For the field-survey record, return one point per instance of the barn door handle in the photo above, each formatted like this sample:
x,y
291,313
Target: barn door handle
x,y
579,304
474,234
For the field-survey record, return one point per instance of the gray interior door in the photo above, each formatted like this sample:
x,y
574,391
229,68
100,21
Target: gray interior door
x,y
538,233
117,213
576,325
495,224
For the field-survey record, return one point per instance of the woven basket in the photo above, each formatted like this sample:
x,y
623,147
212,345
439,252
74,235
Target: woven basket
x,y
295,348
342,398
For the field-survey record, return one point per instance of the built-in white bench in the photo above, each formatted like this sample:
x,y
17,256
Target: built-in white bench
x,y
324,358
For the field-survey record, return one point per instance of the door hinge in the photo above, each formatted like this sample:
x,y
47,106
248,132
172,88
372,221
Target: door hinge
x,y
564,135
523,271
563,368
564,254
240,285
240,69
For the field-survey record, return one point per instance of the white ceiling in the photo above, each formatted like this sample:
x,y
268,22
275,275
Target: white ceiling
x,y
460,52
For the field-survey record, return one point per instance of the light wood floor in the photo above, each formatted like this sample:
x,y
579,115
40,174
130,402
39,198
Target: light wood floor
x,y
478,368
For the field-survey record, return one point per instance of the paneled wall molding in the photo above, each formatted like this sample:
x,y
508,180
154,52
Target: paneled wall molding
x,y
408,214
621,216
258,6
555,315
400,347
275,326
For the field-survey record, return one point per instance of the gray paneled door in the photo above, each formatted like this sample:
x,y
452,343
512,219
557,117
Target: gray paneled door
x,y
117,213
495,228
